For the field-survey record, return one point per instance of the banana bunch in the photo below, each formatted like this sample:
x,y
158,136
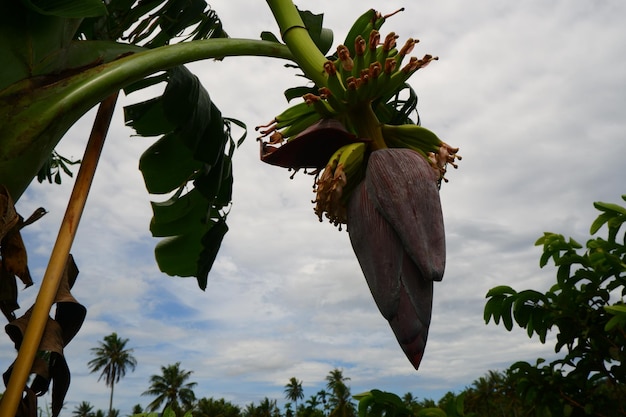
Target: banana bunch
x,y
423,141
365,70
344,171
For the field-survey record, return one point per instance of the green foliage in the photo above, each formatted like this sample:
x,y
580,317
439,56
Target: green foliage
x,y
168,412
53,168
376,403
194,151
195,147
209,407
67,8
586,310
59,63
38,51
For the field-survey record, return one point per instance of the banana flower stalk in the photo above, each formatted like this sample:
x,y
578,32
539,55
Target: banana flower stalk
x,y
396,229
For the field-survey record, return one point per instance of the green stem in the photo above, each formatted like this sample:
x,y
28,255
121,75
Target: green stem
x,y
367,125
306,54
36,115
135,67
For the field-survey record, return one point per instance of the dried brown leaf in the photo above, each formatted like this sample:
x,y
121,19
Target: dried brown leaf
x,y
8,293
14,257
8,216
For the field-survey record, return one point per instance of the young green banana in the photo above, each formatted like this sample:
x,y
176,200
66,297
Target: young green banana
x,y
351,159
423,141
413,137
300,125
335,83
361,27
294,112
286,118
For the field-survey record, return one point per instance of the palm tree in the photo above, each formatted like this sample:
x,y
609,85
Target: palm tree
x,y
340,397
84,409
209,407
311,410
171,389
323,394
312,402
112,357
288,410
250,410
294,391
268,408
410,401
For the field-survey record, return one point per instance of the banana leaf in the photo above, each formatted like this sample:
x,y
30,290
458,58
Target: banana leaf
x,y
60,61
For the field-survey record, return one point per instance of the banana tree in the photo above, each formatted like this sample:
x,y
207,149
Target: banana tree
x,y
355,125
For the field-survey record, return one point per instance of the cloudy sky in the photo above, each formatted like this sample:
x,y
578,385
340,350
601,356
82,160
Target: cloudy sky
x,y
534,94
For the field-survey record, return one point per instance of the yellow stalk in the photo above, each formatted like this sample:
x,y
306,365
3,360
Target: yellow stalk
x,y
58,259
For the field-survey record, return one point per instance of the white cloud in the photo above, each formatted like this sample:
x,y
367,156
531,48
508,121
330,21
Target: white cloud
x,y
532,92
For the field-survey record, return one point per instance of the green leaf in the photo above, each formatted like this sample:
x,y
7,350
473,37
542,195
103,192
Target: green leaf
x,y
431,412
227,122
225,192
191,20
179,216
616,309
146,82
148,118
194,149
167,165
210,181
168,412
599,222
211,242
492,309
610,208
615,322
42,115
269,36
323,38
178,255
298,92
186,101
398,107
522,315
67,8
505,310
388,398
175,207
212,143
460,404
500,290
563,273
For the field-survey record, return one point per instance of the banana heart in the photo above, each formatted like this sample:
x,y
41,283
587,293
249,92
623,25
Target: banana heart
x,y
396,229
